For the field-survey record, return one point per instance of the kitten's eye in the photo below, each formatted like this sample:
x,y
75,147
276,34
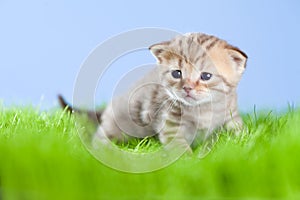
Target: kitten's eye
x,y
205,76
176,74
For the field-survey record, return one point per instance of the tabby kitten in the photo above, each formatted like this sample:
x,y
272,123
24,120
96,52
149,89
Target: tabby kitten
x,y
190,93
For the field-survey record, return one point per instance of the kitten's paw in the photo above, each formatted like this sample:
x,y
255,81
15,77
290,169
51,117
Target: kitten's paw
x,y
235,125
99,138
189,151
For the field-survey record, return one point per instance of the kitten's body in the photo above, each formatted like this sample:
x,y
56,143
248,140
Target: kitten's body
x,y
190,93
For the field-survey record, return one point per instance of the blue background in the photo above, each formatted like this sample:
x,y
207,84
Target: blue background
x,y
43,43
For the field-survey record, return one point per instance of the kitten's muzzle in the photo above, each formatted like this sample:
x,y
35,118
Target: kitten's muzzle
x,y
187,89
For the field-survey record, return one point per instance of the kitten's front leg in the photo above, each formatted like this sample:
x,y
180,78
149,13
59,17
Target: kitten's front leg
x,y
173,134
235,123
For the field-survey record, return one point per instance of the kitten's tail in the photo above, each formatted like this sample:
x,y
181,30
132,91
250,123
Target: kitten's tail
x,y
94,116
64,104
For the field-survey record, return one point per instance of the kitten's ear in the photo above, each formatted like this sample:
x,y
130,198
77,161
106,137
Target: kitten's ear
x,y
158,50
238,58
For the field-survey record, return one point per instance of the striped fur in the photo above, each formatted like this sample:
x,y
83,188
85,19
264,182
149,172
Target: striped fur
x,y
159,103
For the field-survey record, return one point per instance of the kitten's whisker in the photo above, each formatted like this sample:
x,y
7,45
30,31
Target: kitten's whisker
x,y
171,105
162,105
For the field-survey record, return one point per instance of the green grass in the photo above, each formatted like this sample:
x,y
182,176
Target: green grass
x,y
42,157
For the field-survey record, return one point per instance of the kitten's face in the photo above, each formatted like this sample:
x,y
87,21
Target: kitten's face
x,y
194,68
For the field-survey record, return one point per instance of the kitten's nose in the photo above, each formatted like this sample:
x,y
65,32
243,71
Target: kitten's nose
x,y
187,89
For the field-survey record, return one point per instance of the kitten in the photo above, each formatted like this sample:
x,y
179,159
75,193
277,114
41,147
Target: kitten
x,y
190,93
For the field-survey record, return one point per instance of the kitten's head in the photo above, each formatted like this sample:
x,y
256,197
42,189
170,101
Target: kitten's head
x,y
196,67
